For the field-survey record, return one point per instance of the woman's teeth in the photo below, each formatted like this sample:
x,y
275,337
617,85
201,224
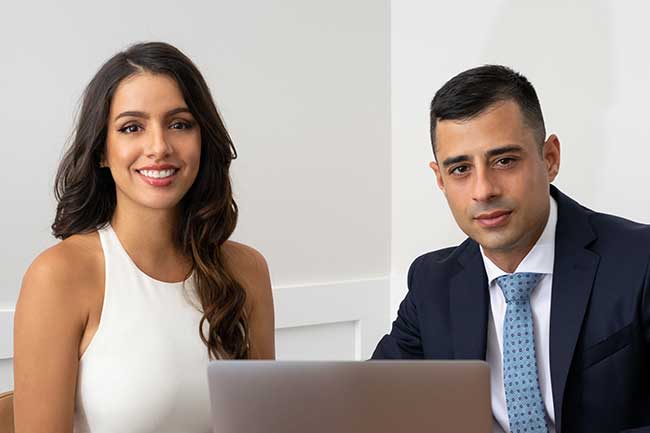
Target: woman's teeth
x,y
158,174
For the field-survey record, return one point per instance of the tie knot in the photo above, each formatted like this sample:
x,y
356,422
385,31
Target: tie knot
x,y
517,287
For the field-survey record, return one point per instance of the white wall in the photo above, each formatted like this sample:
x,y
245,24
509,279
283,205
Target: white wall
x,y
588,62
304,90
332,131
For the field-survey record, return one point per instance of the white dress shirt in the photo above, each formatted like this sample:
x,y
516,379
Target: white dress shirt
x,y
539,260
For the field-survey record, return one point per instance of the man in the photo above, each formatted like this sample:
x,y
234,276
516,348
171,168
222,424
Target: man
x,y
555,297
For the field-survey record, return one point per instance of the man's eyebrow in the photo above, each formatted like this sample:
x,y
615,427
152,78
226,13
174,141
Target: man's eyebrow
x,y
454,160
144,115
504,149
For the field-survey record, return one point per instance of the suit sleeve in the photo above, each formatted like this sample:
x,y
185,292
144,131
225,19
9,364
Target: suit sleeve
x,y
645,324
645,306
404,341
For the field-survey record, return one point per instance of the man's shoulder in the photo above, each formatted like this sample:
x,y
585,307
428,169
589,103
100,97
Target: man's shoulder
x,y
442,256
618,232
441,263
617,225
611,237
611,232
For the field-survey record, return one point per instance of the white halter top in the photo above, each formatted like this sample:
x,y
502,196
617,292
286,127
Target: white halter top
x,y
145,368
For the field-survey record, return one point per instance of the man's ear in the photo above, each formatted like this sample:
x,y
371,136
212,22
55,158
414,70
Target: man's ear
x,y
551,155
436,169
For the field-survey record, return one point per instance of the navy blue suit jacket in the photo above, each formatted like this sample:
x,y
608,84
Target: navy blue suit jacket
x,y
600,317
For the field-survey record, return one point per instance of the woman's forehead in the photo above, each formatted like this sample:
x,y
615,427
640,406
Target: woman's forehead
x,y
147,92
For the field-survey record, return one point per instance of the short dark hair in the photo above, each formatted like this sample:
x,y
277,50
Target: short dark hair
x,y
469,93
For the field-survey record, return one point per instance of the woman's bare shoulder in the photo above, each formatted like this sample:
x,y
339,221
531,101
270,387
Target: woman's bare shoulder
x,y
248,266
63,270
56,299
242,255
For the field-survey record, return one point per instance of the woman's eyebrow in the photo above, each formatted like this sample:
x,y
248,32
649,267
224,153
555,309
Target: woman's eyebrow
x,y
132,114
144,115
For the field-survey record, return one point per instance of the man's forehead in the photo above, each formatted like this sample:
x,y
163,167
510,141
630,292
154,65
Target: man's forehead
x,y
500,125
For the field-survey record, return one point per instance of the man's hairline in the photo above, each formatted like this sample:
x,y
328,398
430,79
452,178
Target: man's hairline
x,y
496,104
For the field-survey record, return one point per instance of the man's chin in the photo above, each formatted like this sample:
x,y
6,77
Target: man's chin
x,y
494,242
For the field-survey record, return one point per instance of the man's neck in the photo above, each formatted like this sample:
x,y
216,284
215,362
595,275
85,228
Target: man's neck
x,y
508,259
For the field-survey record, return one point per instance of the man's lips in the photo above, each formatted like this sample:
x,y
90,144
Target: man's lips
x,y
493,219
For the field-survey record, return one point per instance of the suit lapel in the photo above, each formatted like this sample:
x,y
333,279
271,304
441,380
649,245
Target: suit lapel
x,y
573,276
469,302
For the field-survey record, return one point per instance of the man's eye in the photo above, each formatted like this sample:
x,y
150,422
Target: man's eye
x,y
461,169
504,162
181,125
129,129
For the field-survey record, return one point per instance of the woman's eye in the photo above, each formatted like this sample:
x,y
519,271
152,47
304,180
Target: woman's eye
x,y
129,129
181,125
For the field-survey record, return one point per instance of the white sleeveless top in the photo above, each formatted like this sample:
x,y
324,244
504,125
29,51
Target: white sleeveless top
x,y
145,369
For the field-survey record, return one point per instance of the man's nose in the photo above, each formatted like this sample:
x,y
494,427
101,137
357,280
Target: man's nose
x,y
486,186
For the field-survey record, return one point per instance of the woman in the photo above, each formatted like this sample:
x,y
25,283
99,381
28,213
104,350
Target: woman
x,y
115,325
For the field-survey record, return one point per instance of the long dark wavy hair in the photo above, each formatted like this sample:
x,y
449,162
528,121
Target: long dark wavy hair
x,y
208,213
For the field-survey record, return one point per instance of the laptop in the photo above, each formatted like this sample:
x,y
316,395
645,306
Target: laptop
x,y
350,396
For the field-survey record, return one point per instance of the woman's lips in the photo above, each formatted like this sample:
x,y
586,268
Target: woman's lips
x,y
493,219
160,181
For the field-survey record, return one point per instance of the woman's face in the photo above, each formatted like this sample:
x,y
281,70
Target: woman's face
x,y
153,144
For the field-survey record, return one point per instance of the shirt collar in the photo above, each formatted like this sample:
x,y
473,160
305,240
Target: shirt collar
x,y
539,259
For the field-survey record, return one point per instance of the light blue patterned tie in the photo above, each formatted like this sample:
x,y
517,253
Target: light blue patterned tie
x,y
526,412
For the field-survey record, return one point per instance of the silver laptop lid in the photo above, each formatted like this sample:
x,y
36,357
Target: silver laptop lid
x,y
350,397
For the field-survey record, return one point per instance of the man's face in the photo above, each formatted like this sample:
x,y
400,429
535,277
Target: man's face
x,y
495,178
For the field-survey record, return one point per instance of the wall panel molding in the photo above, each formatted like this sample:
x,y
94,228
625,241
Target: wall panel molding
x,y
6,332
335,320
364,302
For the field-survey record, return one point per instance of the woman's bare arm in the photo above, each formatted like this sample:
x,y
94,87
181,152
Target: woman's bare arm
x,y
250,269
49,324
